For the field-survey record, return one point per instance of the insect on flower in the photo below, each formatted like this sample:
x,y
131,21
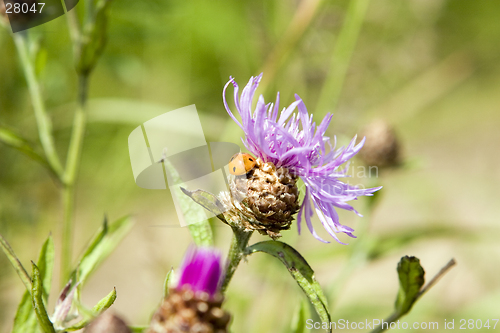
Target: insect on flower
x,y
241,164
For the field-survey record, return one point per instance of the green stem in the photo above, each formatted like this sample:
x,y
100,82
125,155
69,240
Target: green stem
x,y
342,54
381,328
396,315
236,253
43,121
68,198
79,123
72,163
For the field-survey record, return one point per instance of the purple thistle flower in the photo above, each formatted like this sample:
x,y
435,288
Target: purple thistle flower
x,y
201,270
292,140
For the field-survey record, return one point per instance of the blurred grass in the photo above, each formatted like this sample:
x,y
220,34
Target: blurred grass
x,y
429,67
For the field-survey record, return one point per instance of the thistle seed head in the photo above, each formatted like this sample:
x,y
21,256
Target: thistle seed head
x,y
265,199
184,311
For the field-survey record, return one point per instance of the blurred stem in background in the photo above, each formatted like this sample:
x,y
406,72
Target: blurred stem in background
x,y
72,163
342,54
304,15
43,122
88,44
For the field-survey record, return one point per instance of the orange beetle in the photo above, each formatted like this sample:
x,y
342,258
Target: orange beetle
x,y
241,163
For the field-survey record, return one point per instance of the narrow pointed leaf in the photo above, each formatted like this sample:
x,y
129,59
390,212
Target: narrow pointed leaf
x,y
411,279
101,233
299,319
25,320
300,271
168,280
105,303
200,231
25,278
17,142
38,305
208,201
46,265
99,308
103,243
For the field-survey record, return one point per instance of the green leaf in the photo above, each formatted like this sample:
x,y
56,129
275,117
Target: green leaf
x,y
94,242
46,265
103,243
208,201
98,309
37,298
15,263
299,319
168,280
25,320
105,303
15,141
92,44
411,279
300,271
201,231
138,329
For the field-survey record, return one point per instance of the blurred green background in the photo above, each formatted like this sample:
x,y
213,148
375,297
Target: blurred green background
x,y
429,67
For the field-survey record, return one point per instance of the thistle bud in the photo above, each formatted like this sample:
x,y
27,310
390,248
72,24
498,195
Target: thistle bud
x,y
265,199
194,306
381,148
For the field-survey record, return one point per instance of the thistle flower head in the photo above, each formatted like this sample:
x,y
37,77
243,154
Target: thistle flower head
x,y
290,139
201,270
194,305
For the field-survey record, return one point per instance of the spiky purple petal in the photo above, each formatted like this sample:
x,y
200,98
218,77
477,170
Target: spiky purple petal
x,y
201,270
291,139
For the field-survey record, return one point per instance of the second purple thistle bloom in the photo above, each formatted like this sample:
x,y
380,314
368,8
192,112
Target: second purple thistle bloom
x,y
288,145
195,304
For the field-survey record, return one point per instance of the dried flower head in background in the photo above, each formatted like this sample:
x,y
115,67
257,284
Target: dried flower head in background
x,y
381,148
292,146
107,323
194,305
